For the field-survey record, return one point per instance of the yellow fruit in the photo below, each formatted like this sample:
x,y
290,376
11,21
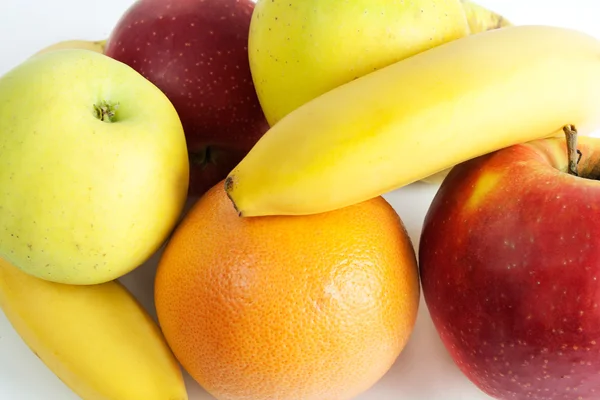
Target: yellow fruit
x,y
420,116
287,308
481,19
93,45
300,49
94,167
97,339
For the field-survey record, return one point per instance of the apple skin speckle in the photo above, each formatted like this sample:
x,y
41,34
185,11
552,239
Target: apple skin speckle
x,y
510,279
205,42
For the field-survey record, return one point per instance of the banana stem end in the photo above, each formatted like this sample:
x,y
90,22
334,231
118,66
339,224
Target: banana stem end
x,y
229,184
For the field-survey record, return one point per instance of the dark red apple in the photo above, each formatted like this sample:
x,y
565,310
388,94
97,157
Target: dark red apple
x,y
196,52
509,259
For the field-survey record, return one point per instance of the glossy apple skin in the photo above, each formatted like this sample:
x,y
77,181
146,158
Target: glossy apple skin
x,y
510,266
196,52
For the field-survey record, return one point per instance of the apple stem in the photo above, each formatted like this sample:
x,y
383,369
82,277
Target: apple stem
x,y
203,157
106,111
574,155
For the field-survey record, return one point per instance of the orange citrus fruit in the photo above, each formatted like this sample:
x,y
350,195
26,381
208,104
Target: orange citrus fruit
x,y
313,307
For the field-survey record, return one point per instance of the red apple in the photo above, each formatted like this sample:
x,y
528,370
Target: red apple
x,y
510,266
196,52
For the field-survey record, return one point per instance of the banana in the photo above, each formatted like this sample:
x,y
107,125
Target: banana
x,y
419,116
97,339
95,45
481,19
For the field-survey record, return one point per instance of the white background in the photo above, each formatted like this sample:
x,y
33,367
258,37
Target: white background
x,y
423,371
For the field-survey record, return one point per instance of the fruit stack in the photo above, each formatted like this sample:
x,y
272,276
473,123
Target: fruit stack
x,y
282,125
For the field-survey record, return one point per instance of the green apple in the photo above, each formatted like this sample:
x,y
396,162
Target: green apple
x,y
93,167
300,49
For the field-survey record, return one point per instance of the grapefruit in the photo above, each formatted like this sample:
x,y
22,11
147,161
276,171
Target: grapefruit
x,y
313,307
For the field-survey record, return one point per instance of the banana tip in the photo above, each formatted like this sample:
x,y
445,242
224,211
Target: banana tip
x,y
229,184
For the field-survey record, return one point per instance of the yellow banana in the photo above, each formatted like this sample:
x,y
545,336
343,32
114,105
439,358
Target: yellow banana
x,y
93,45
97,339
420,116
481,19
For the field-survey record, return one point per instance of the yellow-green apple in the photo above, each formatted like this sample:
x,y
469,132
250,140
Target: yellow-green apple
x,y
93,45
93,167
300,49
510,266
196,52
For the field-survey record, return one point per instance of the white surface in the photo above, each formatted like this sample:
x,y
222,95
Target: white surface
x,y
423,371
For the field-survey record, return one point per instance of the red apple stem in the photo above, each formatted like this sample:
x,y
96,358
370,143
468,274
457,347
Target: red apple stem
x,y
574,155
